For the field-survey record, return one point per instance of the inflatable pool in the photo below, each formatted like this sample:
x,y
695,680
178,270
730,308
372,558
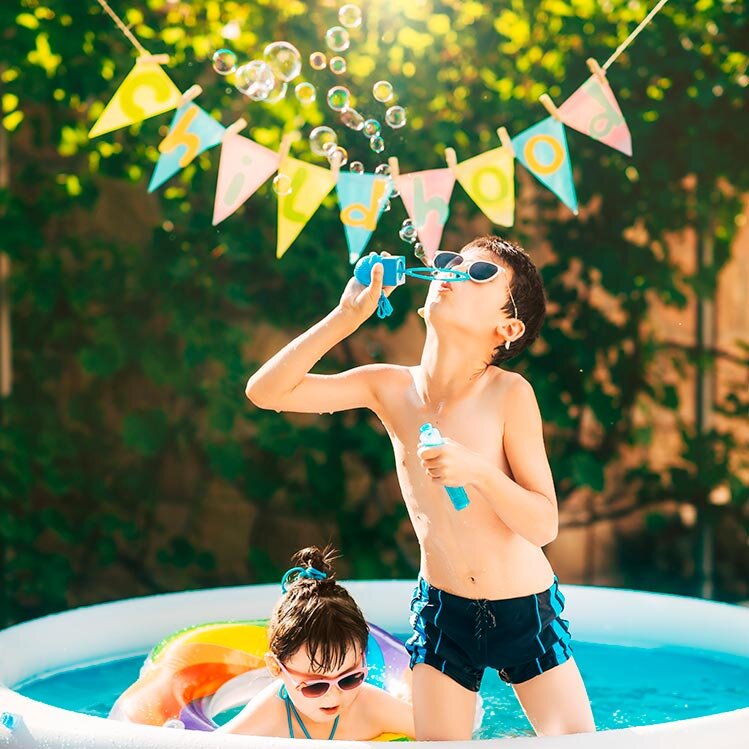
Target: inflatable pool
x,y
100,634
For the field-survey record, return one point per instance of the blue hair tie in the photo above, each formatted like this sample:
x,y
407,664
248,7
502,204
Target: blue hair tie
x,y
309,572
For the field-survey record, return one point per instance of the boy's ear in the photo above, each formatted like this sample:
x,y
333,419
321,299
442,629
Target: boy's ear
x,y
511,330
272,664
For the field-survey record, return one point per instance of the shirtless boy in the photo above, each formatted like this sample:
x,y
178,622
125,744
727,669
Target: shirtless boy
x,y
487,597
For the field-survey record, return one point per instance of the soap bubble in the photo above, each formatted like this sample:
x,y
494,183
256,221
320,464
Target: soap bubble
x,y
350,16
377,144
407,231
372,127
282,184
337,154
322,138
382,91
339,98
338,65
255,79
224,61
318,61
278,91
337,38
385,205
419,251
305,93
383,169
356,167
352,119
284,60
395,117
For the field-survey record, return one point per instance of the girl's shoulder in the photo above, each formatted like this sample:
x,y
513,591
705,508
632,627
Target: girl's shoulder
x,y
261,716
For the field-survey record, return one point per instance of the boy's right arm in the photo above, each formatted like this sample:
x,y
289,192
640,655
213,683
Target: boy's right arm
x,y
284,383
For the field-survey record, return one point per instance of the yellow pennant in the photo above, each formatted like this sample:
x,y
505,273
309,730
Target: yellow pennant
x,y
489,179
147,91
302,187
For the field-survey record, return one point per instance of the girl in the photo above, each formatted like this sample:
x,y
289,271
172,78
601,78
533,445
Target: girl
x,y
317,639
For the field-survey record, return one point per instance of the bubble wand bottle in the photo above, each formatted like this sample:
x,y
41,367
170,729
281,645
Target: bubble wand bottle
x,y
430,436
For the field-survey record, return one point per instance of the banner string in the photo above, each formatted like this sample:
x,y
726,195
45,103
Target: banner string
x,y
632,36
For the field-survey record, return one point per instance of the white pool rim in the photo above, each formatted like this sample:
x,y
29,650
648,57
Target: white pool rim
x,y
105,632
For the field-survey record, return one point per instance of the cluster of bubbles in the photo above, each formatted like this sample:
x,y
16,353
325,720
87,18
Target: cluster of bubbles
x,y
408,234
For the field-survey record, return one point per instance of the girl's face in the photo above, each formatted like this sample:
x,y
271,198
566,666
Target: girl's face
x,y
301,671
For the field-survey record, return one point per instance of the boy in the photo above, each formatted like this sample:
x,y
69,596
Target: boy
x,y
487,596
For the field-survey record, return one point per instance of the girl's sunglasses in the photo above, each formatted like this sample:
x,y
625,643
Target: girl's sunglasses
x,y
318,687
480,271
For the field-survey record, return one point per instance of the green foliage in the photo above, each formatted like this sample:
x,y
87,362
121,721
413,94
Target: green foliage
x,y
136,321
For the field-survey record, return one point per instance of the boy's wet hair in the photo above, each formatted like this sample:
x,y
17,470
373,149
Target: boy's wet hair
x,y
527,290
320,614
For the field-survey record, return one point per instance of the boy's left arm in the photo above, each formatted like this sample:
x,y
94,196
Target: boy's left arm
x,y
525,502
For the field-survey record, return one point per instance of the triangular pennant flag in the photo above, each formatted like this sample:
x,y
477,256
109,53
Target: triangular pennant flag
x,y
542,150
244,166
426,196
594,111
362,198
192,131
147,91
308,186
489,180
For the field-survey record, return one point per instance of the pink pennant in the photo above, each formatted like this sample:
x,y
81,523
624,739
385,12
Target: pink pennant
x,y
426,196
244,166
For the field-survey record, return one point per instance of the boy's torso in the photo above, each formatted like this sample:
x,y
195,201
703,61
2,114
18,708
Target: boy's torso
x,y
471,552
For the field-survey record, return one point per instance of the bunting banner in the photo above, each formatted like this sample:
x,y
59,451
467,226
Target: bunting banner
x,y
244,166
362,199
192,131
594,111
542,150
489,180
146,91
308,186
426,196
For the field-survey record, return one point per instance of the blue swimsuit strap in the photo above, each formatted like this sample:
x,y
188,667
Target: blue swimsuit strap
x,y
284,695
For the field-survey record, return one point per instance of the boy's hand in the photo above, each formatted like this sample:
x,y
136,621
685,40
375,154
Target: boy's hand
x,y
361,301
452,464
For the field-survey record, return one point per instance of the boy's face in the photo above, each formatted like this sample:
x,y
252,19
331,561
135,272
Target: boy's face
x,y
475,309
330,705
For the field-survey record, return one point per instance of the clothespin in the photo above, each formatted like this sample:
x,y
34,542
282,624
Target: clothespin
x,y
504,136
191,93
597,70
235,127
451,158
394,168
551,108
158,59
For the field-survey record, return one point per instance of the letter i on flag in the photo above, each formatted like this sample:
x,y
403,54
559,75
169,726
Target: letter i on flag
x,y
192,131
146,91
594,111
426,196
362,198
244,166
302,188
542,150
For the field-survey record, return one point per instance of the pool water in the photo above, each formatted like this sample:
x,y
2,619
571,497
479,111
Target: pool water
x,y
627,686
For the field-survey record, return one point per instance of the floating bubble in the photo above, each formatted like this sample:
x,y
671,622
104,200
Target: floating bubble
x,y
318,61
282,184
385,205
338,65
350,16
338,98
407,231
224,61
322,137
419,251
284,60
383,169
382,91
356,167
337,38
352,119
305,93
278,91
336,154
255,79
371,127
377,144
395,117
395,192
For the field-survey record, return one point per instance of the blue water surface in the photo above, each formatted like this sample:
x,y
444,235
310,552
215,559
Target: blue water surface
x,y
627,686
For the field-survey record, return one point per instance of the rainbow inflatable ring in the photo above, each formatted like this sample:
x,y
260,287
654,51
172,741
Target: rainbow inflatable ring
x,y
199,672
